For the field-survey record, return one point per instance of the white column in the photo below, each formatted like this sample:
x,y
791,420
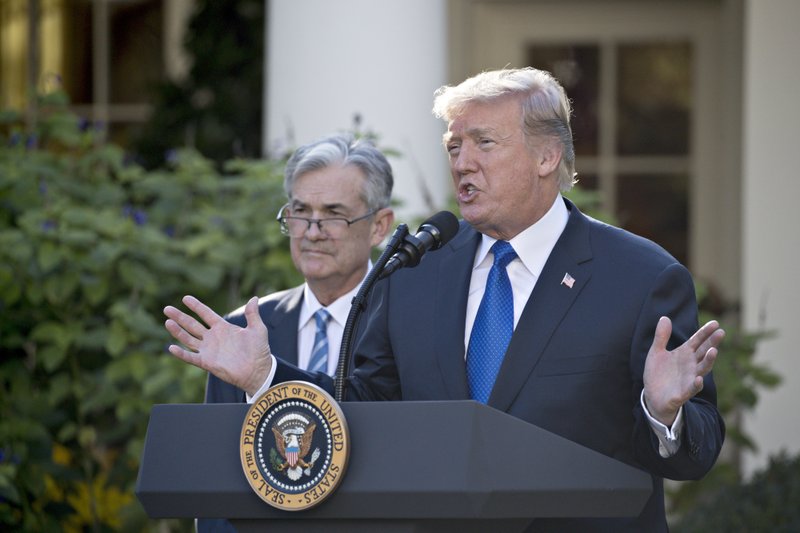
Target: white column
x,y
771,188
382,60
177,14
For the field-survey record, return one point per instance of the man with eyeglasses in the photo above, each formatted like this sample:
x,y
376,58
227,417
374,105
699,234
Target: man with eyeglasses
x,y
339,190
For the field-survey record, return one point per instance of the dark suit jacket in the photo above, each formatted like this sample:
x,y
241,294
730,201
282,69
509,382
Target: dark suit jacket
x,y
576,359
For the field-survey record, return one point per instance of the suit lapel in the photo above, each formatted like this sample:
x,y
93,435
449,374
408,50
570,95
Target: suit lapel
x,y
546,307
452,289
282,325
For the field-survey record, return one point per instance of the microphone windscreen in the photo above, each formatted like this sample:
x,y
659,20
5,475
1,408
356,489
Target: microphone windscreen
x,y
447,224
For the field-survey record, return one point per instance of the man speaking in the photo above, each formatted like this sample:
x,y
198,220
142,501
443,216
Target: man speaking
x,y
533,308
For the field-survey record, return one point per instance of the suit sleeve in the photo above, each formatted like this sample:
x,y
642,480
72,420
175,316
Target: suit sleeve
x,y
288,372
703,431
218,391
375,377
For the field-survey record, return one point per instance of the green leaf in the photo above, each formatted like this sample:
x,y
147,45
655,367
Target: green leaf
x,y
10,289
59,289
78,238
87,435
59,389
67,432
52,332
7,488
117,338
48,256
137,275
95,289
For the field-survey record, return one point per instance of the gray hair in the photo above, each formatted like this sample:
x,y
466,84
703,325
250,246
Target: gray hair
x,y
546,109
344,149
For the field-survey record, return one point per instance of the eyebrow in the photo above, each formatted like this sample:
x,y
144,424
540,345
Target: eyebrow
x,y
472,133
325,207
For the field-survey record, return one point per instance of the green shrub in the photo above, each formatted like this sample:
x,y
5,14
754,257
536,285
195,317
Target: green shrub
x,y
768,502
92,247
739,378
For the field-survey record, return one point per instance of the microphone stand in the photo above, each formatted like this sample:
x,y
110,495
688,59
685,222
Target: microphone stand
x,y
357,308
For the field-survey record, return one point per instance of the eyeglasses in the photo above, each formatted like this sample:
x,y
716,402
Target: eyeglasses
x,y
296,227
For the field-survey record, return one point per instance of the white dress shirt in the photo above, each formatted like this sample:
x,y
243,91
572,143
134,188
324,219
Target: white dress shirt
x,y
307,327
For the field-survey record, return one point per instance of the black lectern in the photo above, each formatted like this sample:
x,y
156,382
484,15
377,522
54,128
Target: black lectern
x,y
414,466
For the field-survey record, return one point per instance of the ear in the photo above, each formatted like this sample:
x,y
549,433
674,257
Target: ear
x,y
384,219
549,157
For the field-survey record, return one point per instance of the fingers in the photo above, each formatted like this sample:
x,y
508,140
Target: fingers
x,y
180,334
706,352
205,313
186,322
706,335
706,363
663,332
251,312
188,356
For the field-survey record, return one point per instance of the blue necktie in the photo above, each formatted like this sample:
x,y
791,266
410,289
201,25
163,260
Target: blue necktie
x,y
493,326
319,355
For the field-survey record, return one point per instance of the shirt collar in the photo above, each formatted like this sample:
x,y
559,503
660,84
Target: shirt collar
x,y
339,309
534,244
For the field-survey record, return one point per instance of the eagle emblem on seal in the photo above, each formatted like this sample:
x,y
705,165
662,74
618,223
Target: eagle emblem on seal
x,y
294,434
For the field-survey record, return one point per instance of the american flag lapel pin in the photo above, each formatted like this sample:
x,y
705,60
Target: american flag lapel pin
x,y
568,280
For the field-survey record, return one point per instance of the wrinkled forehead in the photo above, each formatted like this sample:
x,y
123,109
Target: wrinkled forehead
x,y
336,187
497,116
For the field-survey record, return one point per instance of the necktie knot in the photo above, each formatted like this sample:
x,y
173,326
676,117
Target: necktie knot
x,y
503,254
322,316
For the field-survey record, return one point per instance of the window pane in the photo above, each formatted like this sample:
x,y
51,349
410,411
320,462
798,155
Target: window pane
x,y
76,49
656,207
136,33
654,99
576,67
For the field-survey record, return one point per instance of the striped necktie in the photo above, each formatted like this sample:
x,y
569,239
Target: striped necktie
x,y
319,355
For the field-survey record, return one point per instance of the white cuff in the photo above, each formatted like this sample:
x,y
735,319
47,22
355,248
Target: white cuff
x,y
267,383
669,438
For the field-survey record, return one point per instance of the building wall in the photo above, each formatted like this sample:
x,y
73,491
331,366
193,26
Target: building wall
x,y
329,61
771,188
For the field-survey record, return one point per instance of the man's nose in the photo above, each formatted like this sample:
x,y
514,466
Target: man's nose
x,y
464,162
314,232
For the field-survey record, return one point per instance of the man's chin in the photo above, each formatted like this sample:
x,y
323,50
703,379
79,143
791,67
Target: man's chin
x,y
472,215
315,270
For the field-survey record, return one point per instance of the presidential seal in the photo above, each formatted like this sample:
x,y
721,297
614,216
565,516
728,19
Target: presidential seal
x,y
294,446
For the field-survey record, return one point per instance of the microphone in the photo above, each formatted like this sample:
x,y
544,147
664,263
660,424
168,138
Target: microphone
x,y
431,235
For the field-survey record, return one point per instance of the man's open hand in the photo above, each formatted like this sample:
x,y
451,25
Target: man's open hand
x,y
239,356
671,378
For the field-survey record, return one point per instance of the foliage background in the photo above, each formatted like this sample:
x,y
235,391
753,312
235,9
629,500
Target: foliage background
x,y
92,247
